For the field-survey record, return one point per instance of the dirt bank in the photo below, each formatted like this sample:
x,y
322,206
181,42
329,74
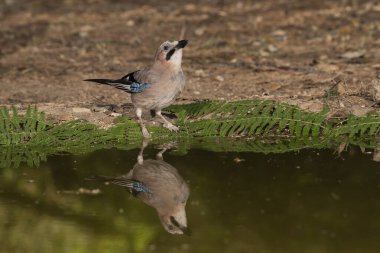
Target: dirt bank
x,y
309,53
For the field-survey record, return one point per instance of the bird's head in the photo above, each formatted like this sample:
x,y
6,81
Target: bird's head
x,y
171,52
175,223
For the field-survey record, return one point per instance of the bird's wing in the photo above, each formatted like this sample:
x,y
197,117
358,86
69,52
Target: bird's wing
x,y
129,83
140,76
130,77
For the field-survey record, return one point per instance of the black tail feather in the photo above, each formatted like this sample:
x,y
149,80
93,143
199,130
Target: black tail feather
x,y
122,84
121,181
101,81
99,178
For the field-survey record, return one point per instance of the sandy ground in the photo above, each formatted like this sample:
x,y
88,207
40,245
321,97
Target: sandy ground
x,y
309,53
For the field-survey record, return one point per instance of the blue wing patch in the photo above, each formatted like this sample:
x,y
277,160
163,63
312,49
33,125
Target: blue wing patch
x,y
138,87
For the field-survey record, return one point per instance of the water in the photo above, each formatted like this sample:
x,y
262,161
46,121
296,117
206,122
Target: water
x,y
309,201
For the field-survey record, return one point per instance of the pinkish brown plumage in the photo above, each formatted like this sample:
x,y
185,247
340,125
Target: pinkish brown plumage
x,y
157,86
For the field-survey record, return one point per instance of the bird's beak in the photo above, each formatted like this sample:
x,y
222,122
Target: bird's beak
x,y
186,231
181,44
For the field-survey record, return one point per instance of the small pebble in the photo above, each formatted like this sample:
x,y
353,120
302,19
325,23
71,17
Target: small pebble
x,y
130,23
279,33
263,53
238,160
272,49
200,73
115,114
81,110
353,54
200,31
99,109
219,78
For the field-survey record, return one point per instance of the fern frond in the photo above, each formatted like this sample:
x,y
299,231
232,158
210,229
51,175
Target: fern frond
x,y
239,125
17,129
359,126
249,118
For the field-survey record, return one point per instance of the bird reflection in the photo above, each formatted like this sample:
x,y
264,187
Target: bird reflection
x,y
158,185
376,155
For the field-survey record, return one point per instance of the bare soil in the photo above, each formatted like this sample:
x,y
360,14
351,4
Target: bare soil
x,y
309,53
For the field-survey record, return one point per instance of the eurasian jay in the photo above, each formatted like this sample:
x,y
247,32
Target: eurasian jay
x,y
156,86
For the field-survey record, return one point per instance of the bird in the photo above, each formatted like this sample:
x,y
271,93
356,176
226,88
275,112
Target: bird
x,y
159,185
156,86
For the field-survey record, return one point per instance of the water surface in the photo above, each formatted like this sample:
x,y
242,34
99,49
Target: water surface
x,y
308,201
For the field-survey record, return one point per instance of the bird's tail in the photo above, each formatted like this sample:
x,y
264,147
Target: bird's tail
x,y
99,178
131,184
101,81
121,181
122,84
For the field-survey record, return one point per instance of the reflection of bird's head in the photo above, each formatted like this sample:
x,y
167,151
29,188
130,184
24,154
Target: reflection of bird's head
x,y
171,52
176,222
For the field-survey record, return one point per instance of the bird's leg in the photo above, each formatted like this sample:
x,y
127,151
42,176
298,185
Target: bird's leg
x,y
164,147
167,123
143,128
159,154
140,157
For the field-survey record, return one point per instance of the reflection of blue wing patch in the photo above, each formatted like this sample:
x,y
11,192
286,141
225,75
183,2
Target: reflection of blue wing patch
x,y
132,185
140,187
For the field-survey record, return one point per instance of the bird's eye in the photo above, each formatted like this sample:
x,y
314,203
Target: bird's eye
x,y
170,227
166,48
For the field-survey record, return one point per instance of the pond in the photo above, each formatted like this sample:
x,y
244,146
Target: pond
x,y
305,201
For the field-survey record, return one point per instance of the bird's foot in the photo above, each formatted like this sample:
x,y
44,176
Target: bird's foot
x,y
171,127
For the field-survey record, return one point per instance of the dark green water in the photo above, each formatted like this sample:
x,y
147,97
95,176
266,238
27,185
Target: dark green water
x,y
309,201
